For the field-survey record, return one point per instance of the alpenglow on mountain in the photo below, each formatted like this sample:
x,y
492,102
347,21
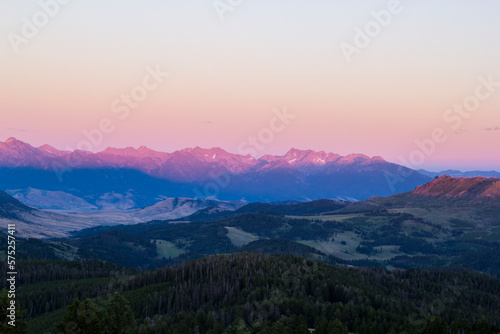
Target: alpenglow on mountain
x,y
147,175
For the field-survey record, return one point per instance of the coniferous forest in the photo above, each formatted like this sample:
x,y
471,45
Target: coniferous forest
x,y
251,293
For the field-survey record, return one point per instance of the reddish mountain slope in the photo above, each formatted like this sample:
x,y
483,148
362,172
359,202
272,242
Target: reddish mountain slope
x,y
475,188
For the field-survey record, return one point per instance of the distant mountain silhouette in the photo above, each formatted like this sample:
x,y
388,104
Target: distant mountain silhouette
x,y
144,175
457,173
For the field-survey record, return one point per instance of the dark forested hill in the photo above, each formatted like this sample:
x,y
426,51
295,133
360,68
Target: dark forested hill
x,y
11,208
257,293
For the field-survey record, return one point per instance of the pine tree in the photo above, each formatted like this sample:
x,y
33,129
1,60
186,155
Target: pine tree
x,y
81,318
119,316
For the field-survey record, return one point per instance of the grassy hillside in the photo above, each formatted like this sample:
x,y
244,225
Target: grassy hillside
x,y
402,238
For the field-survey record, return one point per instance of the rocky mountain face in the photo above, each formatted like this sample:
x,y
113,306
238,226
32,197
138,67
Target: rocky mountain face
x,y
198,173
461,188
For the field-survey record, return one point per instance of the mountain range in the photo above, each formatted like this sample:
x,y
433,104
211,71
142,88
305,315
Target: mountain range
x,y
457,173
48,178
133,178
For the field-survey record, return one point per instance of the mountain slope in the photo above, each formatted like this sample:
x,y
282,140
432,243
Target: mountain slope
x,y
11,208
442,191
472,190
51,200
469,206
143,175
173,208
294,209
32,222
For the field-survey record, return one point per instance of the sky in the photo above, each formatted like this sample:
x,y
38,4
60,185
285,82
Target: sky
x,y
412,81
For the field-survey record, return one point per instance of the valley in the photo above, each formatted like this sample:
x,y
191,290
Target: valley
x,y
408,230
324,259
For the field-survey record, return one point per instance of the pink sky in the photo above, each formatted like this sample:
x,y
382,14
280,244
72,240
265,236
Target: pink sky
x,y
226,77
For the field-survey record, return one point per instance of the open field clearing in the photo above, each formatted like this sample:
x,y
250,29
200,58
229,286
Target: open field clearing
x,y
240,238
167,249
